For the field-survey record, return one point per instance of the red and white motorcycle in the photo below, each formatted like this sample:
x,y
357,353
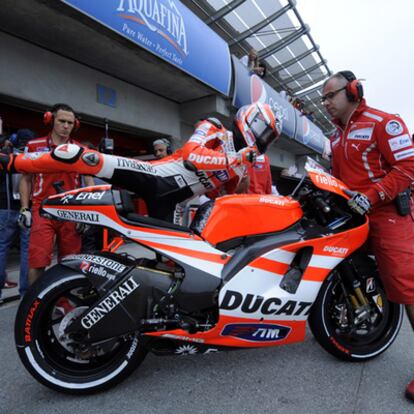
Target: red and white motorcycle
x,y
249,272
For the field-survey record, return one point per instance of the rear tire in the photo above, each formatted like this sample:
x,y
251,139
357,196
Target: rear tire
x,y
359,343
58,361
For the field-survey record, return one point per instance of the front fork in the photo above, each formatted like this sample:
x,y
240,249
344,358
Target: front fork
x,y
357,297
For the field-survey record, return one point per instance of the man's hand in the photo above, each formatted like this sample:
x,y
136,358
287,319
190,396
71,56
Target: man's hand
x,y
25,218
359,202
246,156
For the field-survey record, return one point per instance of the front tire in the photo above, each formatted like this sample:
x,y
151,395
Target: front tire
x,y
54,359
330,323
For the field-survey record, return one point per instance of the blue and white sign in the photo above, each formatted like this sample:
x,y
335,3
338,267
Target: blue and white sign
x,y
251,88
309,134
169,30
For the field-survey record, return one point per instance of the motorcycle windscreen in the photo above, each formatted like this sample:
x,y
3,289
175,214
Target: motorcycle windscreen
x,y
322,179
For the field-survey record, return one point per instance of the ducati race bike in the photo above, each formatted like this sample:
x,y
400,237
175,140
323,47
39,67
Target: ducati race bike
x,y
249,272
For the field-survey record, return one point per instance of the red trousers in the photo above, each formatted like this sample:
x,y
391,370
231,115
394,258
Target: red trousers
x,y
42,239
392,242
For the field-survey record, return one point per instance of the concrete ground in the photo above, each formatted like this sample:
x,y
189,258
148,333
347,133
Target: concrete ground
x,y
299,378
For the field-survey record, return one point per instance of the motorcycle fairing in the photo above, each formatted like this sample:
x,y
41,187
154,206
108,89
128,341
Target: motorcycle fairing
x,y
215,337
244,215
253,294
327,182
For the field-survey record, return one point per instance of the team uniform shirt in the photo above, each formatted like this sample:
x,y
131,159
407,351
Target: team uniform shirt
x,y
43,183
373,154
44,231
260,176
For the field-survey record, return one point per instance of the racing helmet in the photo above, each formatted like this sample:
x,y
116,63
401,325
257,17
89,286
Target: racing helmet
x,y
256,125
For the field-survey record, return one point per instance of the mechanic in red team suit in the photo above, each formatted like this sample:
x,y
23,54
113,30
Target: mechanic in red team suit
x,y
37,187
210,161
373,153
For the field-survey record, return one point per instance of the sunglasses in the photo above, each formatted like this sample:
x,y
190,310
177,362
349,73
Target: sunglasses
x,y
331,95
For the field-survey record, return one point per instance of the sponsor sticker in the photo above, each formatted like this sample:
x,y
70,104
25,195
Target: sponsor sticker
x,y
400,142
99,260
370,285
207,159
78,216
186,350
90,268
33,155
180,181
394,127
361,131
255,332
130,164
272,200
109,303
222,175
67,198
250,303
28,321
336,251
404,154
204,180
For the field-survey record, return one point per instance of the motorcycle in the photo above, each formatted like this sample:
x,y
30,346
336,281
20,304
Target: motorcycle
x,y
249,273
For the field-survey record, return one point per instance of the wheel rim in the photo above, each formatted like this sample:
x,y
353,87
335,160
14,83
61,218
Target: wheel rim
x,y
362,335
64,354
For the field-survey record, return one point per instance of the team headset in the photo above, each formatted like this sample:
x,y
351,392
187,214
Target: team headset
x,y
48,117
354,90
167,143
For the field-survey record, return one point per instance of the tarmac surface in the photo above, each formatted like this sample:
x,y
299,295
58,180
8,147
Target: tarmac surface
x,y
300,378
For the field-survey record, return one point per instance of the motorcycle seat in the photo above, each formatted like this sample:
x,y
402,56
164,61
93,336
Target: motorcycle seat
x,y
137,219
126,211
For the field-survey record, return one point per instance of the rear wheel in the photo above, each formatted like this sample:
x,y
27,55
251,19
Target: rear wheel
x,y
350,335
57,360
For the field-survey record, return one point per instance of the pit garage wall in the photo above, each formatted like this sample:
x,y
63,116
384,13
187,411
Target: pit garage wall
x,y
33,74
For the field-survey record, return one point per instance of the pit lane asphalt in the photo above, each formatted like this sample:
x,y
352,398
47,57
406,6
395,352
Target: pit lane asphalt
x,y
300,378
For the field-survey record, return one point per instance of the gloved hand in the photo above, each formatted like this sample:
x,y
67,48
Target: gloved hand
x,y
359,202
246,156
25,218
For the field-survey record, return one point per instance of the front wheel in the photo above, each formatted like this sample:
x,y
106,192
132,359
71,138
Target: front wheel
x,y
57,360
343,332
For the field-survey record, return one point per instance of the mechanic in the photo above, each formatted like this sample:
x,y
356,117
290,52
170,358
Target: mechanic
x,y
36,187
373,153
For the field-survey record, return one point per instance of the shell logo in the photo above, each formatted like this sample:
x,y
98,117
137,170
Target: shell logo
x,y
257,90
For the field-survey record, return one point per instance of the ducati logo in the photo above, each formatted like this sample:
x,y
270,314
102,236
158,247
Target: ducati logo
x,y
267,306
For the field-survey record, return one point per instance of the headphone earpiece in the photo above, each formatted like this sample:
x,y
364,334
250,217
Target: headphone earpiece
x,y
354,90
48,119
168,144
